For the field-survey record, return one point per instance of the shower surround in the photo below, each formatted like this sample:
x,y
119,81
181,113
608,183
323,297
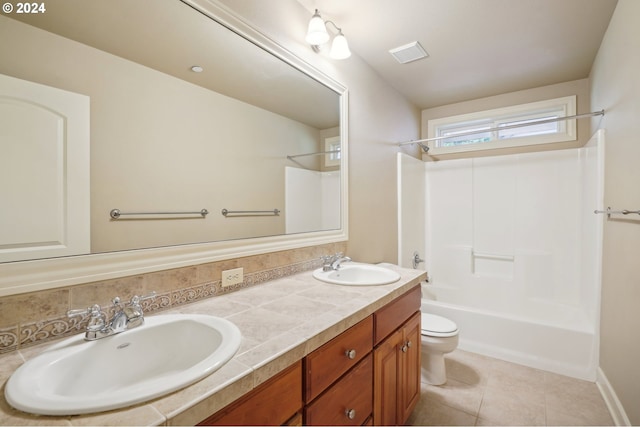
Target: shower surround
x,y
512,247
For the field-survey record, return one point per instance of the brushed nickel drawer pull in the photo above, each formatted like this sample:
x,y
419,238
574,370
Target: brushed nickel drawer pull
x,y
350,413
404,348
351,354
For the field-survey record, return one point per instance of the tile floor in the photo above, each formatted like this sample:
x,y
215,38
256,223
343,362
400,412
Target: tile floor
x,y
482,391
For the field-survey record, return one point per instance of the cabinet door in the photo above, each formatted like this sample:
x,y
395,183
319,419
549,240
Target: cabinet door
x,y
273,403
396,386
386,360
409,391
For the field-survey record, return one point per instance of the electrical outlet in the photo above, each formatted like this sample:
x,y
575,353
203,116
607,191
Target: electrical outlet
x,y
232,277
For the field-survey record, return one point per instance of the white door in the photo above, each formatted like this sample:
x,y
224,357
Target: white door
x,y
411,210
44,171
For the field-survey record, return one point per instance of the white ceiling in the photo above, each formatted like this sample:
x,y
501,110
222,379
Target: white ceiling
x,y
477,48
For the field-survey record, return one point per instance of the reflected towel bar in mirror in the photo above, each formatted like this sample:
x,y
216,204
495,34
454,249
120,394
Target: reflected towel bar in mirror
x,y
116,214
274,212
319,153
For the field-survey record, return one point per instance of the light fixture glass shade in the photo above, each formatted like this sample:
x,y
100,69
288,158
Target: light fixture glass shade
x,y
340,47
317,33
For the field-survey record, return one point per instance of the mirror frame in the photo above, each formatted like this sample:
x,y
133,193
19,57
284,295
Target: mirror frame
x,y
36,275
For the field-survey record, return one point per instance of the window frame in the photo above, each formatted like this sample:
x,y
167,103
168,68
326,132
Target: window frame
x,y
495,117
332,143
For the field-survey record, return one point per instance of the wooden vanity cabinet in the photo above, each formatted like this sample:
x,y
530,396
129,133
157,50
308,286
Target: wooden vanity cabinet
x,y
277,401
396,359
367,375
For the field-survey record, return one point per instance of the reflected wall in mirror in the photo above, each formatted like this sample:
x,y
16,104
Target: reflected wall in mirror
x,y
165,138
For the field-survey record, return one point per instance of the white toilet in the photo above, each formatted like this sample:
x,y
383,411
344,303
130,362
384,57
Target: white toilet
x,y
439,336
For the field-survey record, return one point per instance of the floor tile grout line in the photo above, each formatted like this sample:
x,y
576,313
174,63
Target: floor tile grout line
x,y
460,409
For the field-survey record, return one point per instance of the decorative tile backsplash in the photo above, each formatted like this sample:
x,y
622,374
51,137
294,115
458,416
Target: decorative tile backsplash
x,y
29,319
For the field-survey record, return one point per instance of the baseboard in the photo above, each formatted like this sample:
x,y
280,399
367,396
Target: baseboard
x,y
587,373
611,399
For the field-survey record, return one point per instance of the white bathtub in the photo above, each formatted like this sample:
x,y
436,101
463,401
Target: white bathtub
x,y
556,338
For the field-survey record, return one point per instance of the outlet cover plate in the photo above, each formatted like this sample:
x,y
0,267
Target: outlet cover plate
x,y
232,277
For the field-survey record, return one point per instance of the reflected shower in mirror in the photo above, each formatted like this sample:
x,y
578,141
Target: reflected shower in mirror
x,y
184,116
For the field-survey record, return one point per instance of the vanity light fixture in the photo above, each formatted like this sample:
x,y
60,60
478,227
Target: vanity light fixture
x,y
317,35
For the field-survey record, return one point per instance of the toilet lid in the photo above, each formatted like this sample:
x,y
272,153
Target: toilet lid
x,y
432,324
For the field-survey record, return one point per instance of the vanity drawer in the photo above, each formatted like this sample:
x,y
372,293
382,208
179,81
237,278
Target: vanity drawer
x,y
390,317
326,364
348,402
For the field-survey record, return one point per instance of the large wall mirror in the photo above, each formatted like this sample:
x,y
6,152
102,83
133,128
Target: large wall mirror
x,y
199,139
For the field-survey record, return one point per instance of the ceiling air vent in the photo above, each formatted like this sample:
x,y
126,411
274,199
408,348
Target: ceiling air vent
x,y
409,52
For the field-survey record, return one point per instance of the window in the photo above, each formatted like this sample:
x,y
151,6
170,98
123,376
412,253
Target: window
x,y
502,128
332,147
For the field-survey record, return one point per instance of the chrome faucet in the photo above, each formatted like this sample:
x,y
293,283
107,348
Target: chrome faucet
x,y
127,316
333,262
335,265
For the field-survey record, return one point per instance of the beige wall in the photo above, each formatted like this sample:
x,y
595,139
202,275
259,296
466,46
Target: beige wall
x,y
159,143
615,86
580,88
379,117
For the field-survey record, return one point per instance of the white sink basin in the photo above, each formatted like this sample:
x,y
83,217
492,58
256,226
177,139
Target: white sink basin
x,y
166,353
358,274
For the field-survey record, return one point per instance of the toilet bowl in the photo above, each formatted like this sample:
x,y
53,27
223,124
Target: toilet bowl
x,y
439,336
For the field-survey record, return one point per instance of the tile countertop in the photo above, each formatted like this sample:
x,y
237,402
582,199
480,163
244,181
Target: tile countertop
x,y
281,321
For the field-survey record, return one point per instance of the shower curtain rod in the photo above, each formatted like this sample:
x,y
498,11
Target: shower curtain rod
x,y
472,132
313,154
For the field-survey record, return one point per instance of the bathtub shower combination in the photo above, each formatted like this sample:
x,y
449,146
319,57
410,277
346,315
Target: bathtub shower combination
x,y
512,247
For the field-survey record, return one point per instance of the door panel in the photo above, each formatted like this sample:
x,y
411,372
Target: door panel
x,y
44,171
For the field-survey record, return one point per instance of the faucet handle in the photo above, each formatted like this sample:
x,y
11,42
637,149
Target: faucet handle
x,y
133,311
98,318
94,310
136,300
78,312
151,295
117,304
